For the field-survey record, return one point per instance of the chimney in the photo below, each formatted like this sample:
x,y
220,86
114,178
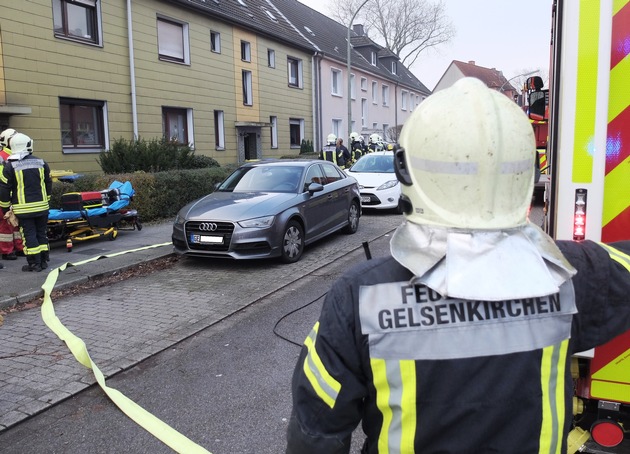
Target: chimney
x,y
358,29
471,62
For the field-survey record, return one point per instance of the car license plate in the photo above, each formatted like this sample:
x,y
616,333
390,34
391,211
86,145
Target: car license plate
x,y
205,239
365,199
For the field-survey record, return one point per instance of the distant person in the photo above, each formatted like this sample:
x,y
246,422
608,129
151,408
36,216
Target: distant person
x,y
461,340
329,151
10,237
343,155
26,186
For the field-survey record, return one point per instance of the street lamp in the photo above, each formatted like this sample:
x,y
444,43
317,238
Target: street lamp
x,y
520,75
349,58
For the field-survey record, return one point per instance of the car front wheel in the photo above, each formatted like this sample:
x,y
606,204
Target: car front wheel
x,y
353,218
292,242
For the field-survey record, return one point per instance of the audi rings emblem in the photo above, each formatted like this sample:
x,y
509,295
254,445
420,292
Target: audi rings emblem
x,y
208,226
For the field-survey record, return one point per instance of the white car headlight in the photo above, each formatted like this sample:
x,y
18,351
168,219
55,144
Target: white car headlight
x,y
387,185
179,220
257,223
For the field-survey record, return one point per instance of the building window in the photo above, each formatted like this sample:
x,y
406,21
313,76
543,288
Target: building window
x,y
248,98
296,132
172,41
373,60
385,134
353,93
403,100
246,51
176,123
219,130
374,92
374,126
364,112
363,84
295,72
82,125
274,131
335,80
215,42
336,127
77,20
394,67
271,58
385,95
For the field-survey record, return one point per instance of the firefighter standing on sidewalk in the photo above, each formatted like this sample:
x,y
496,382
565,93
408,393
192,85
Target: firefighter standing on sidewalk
x,y
461,340
26,186
10,238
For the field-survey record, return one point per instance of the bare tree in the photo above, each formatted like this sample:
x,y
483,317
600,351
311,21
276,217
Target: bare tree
x,y
405,27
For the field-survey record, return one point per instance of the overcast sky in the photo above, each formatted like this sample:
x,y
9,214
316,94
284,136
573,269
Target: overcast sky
x,y
510,36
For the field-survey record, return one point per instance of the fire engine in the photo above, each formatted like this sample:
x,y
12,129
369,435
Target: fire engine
x,y
587,194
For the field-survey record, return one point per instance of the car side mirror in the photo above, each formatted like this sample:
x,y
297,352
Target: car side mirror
x,y
315,187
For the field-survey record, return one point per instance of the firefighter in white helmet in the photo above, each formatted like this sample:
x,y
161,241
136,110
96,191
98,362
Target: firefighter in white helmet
x,y
26,187
375,143
356,146
329,151
461,340
10,237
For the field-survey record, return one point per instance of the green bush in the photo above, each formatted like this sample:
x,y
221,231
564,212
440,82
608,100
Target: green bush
x,y
306,147
156,155
158,195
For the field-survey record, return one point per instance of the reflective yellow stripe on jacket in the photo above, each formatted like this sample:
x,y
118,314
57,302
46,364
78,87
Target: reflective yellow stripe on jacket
x,y
617,255
552,376
395,383
326,387
24,207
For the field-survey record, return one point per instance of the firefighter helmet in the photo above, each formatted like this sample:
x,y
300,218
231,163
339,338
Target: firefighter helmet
x,y
5,136
19,143
331,139
466,159
354,137
374,138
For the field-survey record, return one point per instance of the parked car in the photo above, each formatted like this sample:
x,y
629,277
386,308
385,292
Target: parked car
x,y
269,209
377,181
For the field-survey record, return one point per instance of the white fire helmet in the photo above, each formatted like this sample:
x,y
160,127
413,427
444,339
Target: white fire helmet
x,y
331,139
5,136
467,160
374,138
354,137
20,142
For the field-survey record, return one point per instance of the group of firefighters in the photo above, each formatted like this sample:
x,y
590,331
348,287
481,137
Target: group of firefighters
x,y
335,151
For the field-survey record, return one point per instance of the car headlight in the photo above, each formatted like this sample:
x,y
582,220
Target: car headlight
x,y
387,185
179,220
257,223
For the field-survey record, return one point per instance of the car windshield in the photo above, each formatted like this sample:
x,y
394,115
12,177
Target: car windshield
x,y
374,164
263,179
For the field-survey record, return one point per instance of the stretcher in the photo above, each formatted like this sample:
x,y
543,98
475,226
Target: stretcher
x,y
89,215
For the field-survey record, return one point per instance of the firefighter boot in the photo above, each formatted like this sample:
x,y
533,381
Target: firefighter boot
x,y
34,263
45,255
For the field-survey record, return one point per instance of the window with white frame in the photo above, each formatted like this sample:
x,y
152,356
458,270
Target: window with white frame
x,y
271,58
172,40
295,72
385,128
248,97
363,84
77,19
336,126
335,82
353,125
373,58
364,112
374,126
404,95
177,124
385,95
274,131
394,68
219,130
353,91
215,42
374,92
246,51
82,125
296,132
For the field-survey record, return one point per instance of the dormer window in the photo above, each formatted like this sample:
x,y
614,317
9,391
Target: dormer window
x,y
374,60
394,68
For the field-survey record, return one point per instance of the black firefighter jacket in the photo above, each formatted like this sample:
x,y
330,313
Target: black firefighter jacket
x,y
511,403
26,185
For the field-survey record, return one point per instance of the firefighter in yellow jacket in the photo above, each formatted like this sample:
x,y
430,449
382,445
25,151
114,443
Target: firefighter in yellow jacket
x,y
26,186
461,340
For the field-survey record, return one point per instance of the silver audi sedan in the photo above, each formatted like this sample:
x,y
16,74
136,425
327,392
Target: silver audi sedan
x,y
270,208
